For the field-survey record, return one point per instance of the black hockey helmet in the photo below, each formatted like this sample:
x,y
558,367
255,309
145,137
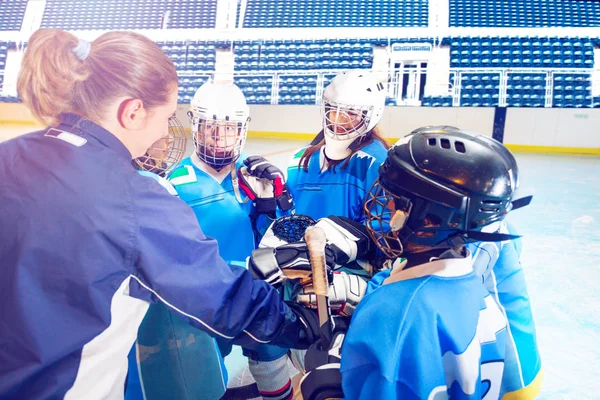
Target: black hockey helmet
x,y
438,189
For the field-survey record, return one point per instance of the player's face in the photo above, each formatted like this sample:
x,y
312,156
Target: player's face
x,y
219,138
160,149
166,152
343,121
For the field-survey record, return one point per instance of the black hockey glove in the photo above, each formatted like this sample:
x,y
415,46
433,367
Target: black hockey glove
x,y
309,319
323,379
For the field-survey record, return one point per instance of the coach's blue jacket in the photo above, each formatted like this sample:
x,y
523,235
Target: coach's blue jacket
x,y
85,244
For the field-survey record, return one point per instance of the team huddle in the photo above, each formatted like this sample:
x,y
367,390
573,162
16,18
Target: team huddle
x,y
426,288
129,272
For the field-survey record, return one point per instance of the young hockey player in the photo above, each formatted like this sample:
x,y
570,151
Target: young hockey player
x,y
350,149
208,182
333,175
165,154
499,265
174,359
430,329
156,163
510,288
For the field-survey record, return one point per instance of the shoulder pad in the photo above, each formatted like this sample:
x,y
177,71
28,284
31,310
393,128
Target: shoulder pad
x,y
299,154
296,158
167,185
162,181
183,175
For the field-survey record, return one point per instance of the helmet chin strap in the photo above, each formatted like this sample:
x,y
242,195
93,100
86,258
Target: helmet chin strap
x,y
340,149
337,149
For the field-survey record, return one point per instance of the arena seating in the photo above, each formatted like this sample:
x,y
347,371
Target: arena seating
x,y
11,14
257,89
96,14
128,14
302,65
3,54
437,101
316,54
572,90
335,13
188,14
523,52
479,89
524,14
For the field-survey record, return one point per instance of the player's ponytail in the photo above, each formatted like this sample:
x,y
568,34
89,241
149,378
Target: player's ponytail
x,y
61,73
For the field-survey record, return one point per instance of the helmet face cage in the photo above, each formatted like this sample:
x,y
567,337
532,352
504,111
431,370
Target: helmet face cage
x,y
401,226
382,220
345,122
219,142
166,153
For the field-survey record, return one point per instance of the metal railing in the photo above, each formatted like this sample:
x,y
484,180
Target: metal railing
x,y
455,86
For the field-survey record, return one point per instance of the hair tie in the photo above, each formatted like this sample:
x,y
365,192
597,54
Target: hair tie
x,y
82,50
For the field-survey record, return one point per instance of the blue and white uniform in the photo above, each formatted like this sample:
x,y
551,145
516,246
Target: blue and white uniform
x,y
339,192
219,213
499,265
223,212
216,207
87,243
176,360
429,330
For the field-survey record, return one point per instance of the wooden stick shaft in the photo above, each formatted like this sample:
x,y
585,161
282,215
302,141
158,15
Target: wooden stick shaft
x,y
316,241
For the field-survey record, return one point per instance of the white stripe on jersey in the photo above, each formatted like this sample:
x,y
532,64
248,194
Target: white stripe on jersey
x,y
510,338
103,366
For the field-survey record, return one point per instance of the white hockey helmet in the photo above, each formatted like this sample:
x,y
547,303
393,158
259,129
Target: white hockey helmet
x,y
166,153
352,105
219,119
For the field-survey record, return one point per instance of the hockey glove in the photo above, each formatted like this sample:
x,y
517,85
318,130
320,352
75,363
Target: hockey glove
x,y
311,329
347,239
259,191
260,168
323,379
345,292
276,265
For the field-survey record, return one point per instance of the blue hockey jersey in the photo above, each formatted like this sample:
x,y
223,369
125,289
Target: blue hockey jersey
x,y
219,213
86,243
175,359
499,265
341,192
430,330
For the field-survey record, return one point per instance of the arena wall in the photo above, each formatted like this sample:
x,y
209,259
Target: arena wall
x,y
540,130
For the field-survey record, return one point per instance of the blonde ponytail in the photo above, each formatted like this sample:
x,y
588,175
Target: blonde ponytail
x,y
59,75
48,74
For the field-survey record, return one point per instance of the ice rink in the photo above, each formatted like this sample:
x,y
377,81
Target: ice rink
x,y
561,259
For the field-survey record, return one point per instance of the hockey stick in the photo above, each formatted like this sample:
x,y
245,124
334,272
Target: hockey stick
x,y
316,241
